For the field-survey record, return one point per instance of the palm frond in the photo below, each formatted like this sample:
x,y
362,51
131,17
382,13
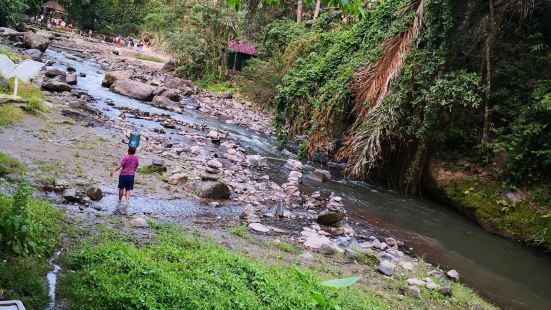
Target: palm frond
x,y
370,84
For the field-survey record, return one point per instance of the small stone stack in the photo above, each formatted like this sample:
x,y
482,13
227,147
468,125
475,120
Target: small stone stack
x,y
212,171
214,136
334,212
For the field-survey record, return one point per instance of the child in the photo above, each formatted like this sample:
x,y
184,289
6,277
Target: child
x,y
128,166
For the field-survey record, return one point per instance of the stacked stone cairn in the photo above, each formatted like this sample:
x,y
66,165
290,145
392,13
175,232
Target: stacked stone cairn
x,y
212,171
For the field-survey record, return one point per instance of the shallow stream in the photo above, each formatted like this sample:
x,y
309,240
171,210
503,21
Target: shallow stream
x,y
505,272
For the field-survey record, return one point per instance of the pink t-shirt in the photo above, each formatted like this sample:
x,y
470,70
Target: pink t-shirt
x,y
129,165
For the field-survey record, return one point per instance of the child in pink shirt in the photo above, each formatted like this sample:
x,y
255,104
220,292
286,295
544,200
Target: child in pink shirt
x,y
128,166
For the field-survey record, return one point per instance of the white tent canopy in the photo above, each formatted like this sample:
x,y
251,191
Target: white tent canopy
x,y
24,71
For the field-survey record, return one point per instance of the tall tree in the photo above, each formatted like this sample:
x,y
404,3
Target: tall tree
x,y
299,11
317,10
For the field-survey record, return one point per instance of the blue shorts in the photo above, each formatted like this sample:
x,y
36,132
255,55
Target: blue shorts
x,y
126,182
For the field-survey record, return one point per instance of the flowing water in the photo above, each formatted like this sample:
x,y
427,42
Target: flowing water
x,y
51,278
505,272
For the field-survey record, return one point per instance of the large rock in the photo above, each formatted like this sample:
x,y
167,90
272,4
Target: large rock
x,y
52,72
294,164
453,275
169,66
316,241
33,54
94,193
167,104
36,41
71,78
321,175
132,89
139,223
259,227
177,179
56,86
512,196
330,217
386,268
112,76
211,189
185,86
70,195
257,161
172,94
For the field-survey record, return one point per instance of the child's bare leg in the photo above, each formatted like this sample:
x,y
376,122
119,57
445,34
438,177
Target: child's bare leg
x,y
127,196
121,190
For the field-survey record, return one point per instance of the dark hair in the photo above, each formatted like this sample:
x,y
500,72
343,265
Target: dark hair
x,y
131,150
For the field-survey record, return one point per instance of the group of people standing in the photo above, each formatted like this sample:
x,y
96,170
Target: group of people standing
x,y
50,21
130,43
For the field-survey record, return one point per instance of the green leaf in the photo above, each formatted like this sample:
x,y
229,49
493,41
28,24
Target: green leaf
x,y
319,298
340,283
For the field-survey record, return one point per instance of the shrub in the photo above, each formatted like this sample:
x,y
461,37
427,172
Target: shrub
x,y
10,165
9,115
28,226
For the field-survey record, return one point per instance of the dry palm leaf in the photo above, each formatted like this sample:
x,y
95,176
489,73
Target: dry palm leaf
x,y
371,83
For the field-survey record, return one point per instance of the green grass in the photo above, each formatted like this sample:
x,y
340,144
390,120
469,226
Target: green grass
x,y
9,115
30,92
287,247
148,58
151,169
10,53
215,87
22,277
11,166
240,231
179,272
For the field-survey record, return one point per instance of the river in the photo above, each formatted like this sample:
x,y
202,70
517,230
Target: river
x,y
506,273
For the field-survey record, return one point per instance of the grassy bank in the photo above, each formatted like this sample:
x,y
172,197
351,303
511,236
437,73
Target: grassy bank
x,y
29,233
528,221
180,272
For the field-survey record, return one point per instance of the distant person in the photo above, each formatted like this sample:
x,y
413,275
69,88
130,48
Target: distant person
x,y
128,166
139,47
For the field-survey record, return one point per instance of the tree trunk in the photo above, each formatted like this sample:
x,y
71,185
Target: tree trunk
x,y
317,11
299,11
490,35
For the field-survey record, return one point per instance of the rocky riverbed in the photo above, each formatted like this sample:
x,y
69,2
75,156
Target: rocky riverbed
x,y
204,176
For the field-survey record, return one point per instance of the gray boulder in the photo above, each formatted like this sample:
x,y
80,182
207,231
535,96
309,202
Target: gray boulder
x,y
321,175
112,76
386,268
185,86
172,94
330,217
169,66
257,161
167,104
453,275
53,72
70,195
132,89
33,54
211,189
56,86
36,41
94,193
71,78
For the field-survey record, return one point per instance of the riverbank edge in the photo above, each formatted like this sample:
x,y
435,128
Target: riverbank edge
x,y
479,200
